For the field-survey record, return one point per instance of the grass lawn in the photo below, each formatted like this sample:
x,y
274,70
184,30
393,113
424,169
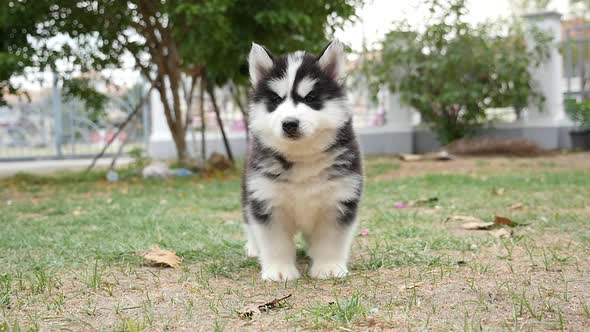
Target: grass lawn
x,y
69,250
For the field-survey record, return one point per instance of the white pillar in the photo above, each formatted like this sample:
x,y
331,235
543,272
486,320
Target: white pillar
x,y
545,126
396,135
57,116
397,115
161,145
159,130
548,76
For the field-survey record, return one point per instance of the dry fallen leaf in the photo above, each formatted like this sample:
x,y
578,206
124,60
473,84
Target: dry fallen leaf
x,y
460,218
501,233
498,191
474,225
253,309
503,221
470,223
162,257
438,156
516,206
410,157
443,156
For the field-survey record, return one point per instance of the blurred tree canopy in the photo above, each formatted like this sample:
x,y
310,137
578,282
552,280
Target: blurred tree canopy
x,y
525,6
17,25
451,72
584,3
81,89
174,43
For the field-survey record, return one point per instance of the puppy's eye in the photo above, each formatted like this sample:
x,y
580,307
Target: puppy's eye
x,y
276,99
310,98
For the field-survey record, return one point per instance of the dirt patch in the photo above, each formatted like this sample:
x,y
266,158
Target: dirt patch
x,y
491,146
511,284
485,166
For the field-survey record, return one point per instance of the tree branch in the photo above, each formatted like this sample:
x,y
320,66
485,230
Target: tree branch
x,y
120,128
189,100
237,98
203,122
211,92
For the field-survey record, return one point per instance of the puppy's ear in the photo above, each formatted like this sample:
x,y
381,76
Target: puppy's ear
x,y
331,60
260,62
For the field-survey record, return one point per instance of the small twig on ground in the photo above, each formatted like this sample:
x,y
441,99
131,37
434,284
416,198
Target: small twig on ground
x,y
250,310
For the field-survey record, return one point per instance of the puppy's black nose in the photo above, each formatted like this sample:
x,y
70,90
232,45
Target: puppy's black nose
x,y
291,127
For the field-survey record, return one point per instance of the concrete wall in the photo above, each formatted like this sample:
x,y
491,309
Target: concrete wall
x,y
374,141
379,141
552,138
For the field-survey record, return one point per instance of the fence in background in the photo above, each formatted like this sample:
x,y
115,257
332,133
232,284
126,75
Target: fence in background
x,y
577,61
47,128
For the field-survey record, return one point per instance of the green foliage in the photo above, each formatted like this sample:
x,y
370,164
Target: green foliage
x,y
579,112
131,99
139,157
453,71
82,89
17,21
524,6
215,34
225,30
172,42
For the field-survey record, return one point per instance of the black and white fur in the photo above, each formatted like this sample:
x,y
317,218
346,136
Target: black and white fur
x,y
303,169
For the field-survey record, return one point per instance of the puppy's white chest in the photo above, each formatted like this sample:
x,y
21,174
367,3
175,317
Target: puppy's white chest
x,y
313,199
306,193
306,202
305,183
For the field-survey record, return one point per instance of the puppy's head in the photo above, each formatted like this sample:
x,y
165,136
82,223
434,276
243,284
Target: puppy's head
x,y
298,102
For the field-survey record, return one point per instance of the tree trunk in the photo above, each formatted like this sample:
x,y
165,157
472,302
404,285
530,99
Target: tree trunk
x,y
174,118
168,74
203,122
177,129
180,143
211,92
237,94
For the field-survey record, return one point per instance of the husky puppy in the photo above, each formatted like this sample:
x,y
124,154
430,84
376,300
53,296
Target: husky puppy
x,y
303,170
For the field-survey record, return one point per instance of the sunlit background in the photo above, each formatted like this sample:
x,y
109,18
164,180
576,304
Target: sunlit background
x,y
29,129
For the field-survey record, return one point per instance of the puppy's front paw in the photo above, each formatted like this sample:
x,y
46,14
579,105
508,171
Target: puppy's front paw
x,y
251,250
328,270
280,272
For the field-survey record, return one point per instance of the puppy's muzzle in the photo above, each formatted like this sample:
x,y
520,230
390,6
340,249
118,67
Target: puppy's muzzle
x,y
291,128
